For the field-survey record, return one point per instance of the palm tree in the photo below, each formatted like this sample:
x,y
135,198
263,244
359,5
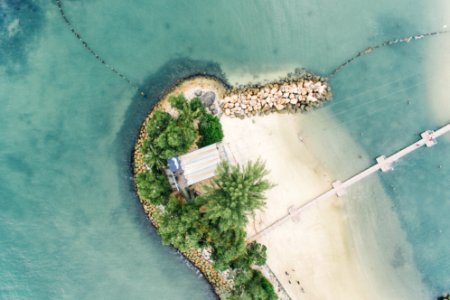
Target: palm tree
x,y
153,186
180,225
153,157
188,113
236,192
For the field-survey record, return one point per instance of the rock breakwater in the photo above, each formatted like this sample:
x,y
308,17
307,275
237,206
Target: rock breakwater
x,y
292,94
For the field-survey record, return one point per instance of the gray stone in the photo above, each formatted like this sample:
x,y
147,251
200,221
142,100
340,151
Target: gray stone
x,y
208,98
198,93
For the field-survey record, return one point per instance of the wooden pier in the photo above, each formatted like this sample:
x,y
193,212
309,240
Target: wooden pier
x,y
428,139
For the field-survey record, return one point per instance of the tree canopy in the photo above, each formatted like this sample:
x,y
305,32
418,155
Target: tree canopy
x,y
188,111
157,124
250,284
169,136
255,254
235,192
175,139
210,130
153,186
181,225
216,219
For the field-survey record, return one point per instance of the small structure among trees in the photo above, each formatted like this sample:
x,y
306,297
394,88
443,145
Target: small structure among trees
x,y
196,166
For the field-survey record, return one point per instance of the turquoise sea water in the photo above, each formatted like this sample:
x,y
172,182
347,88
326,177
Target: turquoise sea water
x,y
71,227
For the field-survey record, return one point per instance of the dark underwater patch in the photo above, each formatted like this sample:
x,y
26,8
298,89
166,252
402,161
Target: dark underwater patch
x,y
20,23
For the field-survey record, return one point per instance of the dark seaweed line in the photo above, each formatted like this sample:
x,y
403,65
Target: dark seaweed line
x,y
95,54
384,44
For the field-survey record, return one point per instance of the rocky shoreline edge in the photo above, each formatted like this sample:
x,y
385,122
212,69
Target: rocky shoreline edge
x,y
194,257
282,92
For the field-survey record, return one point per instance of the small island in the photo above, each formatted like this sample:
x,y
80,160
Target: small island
x,y
199,192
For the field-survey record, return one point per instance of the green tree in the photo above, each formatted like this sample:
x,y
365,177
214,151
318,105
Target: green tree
x,y
157,124
227,246
175,140
153,156
153,186
168,137
181,225
252,285
255,254
187,113
236,191
210,130
197,105
179,102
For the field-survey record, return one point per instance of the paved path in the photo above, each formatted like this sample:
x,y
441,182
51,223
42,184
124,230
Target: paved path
x,y
428,138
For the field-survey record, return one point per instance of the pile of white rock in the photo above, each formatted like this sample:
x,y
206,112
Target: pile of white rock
x,y
292,94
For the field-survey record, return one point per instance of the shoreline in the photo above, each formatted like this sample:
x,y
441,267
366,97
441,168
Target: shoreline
x,y
371,225
328,251
194,258
326,245
188,85
299,261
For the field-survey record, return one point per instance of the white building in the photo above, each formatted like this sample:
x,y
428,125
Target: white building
x,y
196,166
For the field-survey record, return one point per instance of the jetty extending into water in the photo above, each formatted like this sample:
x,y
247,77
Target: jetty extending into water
x,y
428,139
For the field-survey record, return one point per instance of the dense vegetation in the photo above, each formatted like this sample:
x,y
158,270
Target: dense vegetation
x,y
154,186
216,219
210,129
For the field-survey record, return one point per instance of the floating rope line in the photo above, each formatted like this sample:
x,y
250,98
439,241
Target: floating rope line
x,y
384,44
95,54
336,70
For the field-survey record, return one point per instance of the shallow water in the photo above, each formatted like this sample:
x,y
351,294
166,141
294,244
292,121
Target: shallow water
x,y
385,113
71,226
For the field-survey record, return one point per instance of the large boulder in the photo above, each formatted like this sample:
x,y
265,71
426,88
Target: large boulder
x,y
208,98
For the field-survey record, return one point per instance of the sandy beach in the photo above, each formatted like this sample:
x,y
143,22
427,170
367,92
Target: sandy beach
x,y
319,255
313,252
334,250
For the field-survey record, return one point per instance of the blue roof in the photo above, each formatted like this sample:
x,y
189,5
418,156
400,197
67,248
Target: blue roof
x,y
174,164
